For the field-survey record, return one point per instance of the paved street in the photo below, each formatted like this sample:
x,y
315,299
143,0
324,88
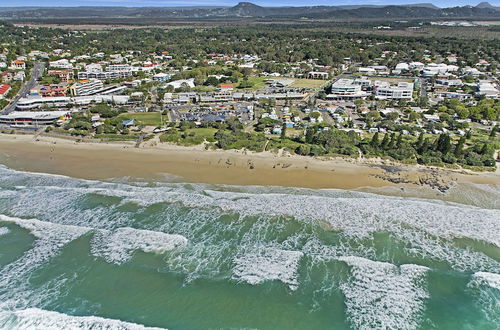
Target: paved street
x,y
36,73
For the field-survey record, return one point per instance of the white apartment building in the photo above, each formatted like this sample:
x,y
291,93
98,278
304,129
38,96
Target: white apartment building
x,y
346,87
119,68
88,87
487,89
402,90
61,64
94,71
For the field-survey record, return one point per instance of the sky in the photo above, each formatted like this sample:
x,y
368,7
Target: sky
x,y
268,3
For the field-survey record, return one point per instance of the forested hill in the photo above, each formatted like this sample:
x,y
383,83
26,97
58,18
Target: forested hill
x,y
247,9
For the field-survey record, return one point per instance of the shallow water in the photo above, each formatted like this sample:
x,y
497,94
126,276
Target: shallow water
x,y
128,254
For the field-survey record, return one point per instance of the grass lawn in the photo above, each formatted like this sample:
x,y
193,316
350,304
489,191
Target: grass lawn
x,y
308,83
144,118
205,89
258,83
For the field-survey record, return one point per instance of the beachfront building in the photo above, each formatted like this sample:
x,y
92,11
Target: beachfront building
x,y
401,91
86,87
29,103
34,118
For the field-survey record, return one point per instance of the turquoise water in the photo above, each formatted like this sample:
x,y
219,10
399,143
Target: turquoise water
x,y
128,254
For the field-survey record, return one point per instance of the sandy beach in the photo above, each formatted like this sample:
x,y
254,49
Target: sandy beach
x,y
94,160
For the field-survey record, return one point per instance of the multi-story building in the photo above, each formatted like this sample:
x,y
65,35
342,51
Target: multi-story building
x,y
65,75
86,87
18,65
61,64
346,88
402,90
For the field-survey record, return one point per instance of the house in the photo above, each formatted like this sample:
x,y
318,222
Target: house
x,y
162,77
180,83
317,75
64,75
19,76
18,65
7,76
4,89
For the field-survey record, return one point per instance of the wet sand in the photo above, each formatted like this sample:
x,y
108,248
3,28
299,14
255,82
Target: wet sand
x,y
193,164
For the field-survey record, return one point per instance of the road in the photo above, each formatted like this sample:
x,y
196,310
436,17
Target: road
x,y
36,73
423,87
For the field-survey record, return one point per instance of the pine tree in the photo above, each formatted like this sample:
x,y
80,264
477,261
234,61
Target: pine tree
x,y
493,132
385,141
443,143
283,131
309,135
375,141
420,141
392,142
459,148
399,141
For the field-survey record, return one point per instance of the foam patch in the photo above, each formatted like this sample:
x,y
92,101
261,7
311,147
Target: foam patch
x,y
117,246
381,295
268,265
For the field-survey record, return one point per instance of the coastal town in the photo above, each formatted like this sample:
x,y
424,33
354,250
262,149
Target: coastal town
x,y
432,108
277,165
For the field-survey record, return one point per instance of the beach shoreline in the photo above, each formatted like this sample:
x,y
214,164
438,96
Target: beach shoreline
x,y
100,161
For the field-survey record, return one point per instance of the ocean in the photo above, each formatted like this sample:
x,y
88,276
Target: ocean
x,y
131,253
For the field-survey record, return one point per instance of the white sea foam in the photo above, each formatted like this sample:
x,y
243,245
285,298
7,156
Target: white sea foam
x,y
268,264
357,214
381,295
486,288
4,231
34,318
117,246
50,239
492,280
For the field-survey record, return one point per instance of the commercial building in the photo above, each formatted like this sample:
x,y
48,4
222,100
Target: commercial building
x,y
402,90
36,118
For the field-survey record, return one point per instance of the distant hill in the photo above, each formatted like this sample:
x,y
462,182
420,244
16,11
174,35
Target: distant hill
x,y
487,5
248,9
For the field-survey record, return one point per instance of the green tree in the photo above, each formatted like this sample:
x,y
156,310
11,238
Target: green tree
x,y
375,141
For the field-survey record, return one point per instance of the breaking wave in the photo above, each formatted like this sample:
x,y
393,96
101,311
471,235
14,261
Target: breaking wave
x,y
116,246
34,318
